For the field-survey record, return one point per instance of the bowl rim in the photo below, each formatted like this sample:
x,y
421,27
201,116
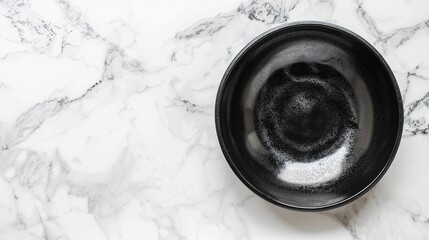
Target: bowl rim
x,y
249,46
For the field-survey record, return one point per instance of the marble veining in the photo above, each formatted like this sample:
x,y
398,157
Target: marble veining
x,y
107,120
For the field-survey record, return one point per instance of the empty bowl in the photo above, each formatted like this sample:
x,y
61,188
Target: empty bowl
x,y
309,116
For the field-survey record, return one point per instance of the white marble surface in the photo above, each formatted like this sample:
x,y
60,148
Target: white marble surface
x,y
107,124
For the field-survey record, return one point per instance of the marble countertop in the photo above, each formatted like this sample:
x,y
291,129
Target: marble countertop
x,y
107,121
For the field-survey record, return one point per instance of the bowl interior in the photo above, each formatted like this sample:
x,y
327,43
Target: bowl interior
x,y
309,116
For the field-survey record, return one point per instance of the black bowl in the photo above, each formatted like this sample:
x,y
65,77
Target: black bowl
x,y
309,116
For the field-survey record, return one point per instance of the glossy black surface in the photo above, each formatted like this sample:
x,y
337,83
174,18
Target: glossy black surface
x,y
309,116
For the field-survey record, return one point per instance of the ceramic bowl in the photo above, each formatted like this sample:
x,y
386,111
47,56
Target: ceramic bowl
x,y
309,116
